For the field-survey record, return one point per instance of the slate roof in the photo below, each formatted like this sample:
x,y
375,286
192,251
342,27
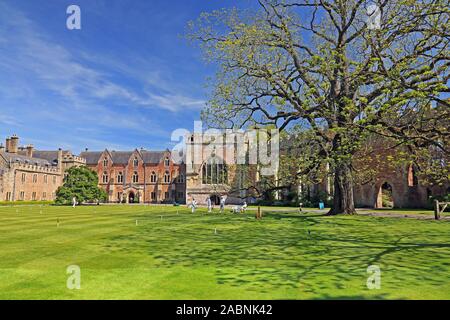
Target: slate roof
x,y
91,157
122,157
13,157
50,156
152,157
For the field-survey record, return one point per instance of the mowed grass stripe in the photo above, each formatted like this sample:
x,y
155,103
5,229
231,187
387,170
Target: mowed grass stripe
x,y
283,256
66,215
49,222
43,231
98,226
78,220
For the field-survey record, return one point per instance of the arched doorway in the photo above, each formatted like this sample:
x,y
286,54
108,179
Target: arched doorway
x,y
131,197
215,199
385,197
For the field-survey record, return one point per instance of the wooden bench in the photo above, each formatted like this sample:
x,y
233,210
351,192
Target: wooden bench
x,y
439,207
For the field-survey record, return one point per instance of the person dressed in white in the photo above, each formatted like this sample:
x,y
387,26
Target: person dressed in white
x,y
193,205
222,203
209,204
74,202
244,206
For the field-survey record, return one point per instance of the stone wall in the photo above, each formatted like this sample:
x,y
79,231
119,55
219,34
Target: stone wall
x,y
29,183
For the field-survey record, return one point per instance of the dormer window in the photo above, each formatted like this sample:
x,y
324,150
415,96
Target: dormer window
x,y
166,161
135,162
105,162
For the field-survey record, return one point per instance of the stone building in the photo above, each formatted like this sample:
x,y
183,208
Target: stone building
x,y
212,172
381,180
142,176
138,176
32,175
391,183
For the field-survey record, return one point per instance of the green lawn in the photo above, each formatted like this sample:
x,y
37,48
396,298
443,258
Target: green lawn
x,y
403,211
180,256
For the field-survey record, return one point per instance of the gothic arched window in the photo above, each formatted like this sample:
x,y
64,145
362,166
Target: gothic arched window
x,y
412,176
105,177
135,177
180,178
214,171
135,162
167,177
153,177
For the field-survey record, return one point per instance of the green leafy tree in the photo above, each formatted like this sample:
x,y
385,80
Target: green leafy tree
x,y
325,65
81,183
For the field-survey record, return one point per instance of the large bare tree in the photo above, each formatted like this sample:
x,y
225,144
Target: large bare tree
x,y
342,68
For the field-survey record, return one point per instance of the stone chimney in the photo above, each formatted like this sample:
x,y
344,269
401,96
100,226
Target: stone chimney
x,y
60,159
29,149
13,144
7,142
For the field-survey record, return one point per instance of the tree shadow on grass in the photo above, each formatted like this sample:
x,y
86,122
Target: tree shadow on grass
x,y
290,252
355,297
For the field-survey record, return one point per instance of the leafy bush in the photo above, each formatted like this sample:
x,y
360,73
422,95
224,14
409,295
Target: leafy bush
x,y
81,183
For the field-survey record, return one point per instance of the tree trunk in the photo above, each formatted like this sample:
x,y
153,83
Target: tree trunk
x,y
343,191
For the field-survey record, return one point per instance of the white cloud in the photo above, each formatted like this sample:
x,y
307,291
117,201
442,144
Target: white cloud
x,y
9,121
34,54
82,95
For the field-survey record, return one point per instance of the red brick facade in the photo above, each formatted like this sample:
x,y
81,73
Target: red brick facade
x,y
138,176
142,176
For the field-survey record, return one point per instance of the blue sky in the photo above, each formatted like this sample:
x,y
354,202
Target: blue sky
x,y
127,79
